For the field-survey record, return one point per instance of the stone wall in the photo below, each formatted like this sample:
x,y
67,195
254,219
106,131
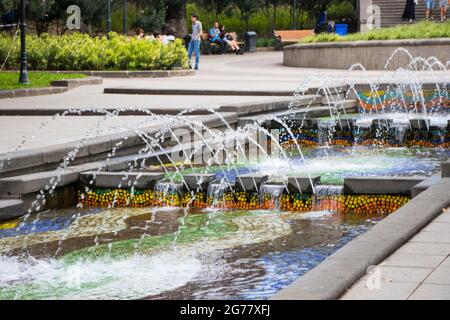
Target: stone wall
x,y
373,55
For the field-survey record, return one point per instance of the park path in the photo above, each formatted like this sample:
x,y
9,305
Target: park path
x,y
419,270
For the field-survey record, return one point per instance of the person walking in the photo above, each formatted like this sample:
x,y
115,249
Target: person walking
x,y
443,5
194,44
410,10
430,8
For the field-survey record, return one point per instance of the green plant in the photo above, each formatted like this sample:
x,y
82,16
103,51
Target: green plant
x,y
422,30
9,80
339,10
82,52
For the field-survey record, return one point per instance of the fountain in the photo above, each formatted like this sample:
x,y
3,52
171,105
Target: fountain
x,y
196,212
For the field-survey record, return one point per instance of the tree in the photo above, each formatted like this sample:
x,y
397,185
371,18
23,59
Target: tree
x,y
247,8
176,16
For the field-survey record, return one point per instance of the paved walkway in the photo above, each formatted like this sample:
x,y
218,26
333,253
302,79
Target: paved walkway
x,y
420,270
260,71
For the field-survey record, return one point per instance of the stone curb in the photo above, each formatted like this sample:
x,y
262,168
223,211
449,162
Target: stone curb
x,y
194,92
20,93
58,86
330,279
135,74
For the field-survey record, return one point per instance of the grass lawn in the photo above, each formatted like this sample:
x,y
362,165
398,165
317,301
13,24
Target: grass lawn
x,y
10,80
422,30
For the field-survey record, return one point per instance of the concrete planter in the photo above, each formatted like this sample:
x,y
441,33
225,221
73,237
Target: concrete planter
x,y
373,55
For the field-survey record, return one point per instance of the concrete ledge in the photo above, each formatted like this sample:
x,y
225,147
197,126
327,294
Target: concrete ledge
x,y
340,271
121,180
198,180
10,209
302,184
446,169
426,184
271,105
373,55
194,92
73,83
58,86
250,182
45,159
20,93
381,185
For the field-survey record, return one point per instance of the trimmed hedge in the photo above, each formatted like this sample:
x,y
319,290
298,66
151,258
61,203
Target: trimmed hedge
x,y
82,52
422,30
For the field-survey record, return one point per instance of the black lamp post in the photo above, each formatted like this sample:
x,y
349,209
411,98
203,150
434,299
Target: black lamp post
x,y
23,50
294,15
108,21
125,16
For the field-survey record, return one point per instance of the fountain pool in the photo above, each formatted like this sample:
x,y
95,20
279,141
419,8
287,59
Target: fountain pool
x,y
164,253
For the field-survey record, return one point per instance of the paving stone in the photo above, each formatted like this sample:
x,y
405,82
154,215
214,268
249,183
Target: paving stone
x,y
439,276
438,227
433,237
413,261
388,291
423,248
431,292
404,274
445,217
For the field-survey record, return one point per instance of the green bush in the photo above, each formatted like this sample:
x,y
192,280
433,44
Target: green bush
x,y
338,10
82,52
422,30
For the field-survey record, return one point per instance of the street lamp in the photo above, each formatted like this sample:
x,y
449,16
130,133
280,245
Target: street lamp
x,y
23,50
108,21
125,16
294,15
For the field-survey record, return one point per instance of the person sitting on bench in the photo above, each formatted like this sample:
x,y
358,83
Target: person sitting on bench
x,y
214,37
229,41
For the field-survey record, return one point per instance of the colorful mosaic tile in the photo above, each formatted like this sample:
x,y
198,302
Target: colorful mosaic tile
x,y
296,202
375,101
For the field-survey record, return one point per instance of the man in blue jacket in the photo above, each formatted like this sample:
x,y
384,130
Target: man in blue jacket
x,y
214,37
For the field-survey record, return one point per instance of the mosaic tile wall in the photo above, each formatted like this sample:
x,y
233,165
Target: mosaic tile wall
x,y
433,138
392,100
359,204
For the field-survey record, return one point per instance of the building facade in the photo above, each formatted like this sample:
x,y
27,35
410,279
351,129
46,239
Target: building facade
x,y
385,13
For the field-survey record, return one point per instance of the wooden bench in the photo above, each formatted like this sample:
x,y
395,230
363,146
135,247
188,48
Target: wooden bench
x,y
290,36
208,46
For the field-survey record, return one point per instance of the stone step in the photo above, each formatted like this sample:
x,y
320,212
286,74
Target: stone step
x,y
10,209
35,182
122,180
302,184
250,182
198,180
381,185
